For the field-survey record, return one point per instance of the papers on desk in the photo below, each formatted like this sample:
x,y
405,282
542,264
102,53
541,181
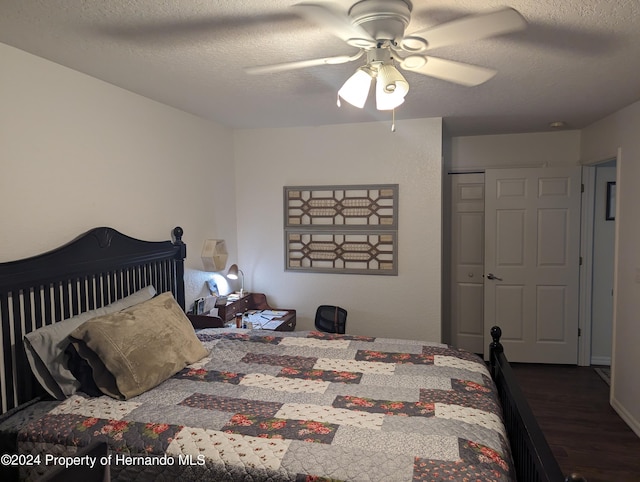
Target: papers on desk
x,y
265,319
273,313
271,325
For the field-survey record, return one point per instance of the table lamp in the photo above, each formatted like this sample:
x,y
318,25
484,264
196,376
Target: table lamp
x,y
233,273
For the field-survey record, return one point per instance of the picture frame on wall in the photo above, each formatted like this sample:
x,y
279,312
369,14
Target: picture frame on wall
x,y
610,208
346,229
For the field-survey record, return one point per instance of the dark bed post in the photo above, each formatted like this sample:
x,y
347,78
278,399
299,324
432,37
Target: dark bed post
x,y
494,348
180,257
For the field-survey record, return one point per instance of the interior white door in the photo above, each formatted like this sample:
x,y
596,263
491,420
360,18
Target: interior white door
x,y
532,258
467,259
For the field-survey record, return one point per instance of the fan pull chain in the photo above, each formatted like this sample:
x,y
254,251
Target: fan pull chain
x,y
393,120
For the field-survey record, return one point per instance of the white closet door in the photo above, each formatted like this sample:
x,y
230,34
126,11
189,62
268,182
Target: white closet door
x,y
467,261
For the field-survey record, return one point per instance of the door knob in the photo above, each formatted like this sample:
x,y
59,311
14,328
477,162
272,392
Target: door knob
x,y
493,276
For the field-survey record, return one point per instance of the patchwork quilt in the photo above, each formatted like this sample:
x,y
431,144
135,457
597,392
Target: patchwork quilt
x,y
293,406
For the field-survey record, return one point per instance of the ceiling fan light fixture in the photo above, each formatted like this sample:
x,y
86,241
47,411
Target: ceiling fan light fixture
x,y
377,28
393,82
356,89
386,101
391,87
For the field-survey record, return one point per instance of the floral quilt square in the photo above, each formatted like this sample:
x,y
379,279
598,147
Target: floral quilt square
x,y
122,435
228,404
305,430
324,375
477,462
203,375
388,407
300,362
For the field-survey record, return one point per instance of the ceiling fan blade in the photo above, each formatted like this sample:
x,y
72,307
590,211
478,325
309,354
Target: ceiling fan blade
x,y
450,70
302,64
473,27
335,22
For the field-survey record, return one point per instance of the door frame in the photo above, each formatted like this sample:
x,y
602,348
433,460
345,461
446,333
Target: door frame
x,y
452,281
586,250
586,267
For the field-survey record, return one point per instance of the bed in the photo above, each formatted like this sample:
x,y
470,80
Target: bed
x,y
233,404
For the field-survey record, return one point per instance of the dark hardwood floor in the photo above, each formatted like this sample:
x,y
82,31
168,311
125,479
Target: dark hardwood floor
x,y
585,434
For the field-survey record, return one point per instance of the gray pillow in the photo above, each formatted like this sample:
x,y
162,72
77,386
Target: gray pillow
x,y
45,346
138,348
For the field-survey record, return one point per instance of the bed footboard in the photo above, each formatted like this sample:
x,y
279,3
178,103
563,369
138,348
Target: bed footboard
x,y
531,453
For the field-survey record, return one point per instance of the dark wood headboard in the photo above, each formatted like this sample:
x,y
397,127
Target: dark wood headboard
x,y
97,268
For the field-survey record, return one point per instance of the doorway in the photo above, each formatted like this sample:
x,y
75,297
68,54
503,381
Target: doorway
x,y
602,262
543,327
465,209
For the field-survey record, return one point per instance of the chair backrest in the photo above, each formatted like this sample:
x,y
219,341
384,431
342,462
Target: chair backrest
x,y
331,319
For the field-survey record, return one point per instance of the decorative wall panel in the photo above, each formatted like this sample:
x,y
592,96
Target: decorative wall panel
x,y
341,229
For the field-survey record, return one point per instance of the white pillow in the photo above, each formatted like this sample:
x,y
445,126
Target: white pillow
x,y
45,346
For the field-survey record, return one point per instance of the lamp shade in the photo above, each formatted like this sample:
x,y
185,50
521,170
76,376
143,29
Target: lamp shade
x,y
391,88
235,273
356,89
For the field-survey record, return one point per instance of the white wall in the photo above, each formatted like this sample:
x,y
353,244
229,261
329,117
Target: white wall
x,y
77,153
539,149
618,133
404,306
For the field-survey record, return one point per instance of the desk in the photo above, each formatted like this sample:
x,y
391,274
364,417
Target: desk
x,y
251,301
287,322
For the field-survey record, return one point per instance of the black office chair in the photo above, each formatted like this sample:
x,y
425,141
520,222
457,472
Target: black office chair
x,y
331,319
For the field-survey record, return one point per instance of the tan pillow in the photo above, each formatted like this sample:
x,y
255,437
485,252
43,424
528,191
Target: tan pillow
x,y
45,347
138,348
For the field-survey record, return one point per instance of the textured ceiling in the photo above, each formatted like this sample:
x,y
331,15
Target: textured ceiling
x,y
576,62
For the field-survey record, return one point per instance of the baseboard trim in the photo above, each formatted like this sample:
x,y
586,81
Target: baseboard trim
x,y
601,360
626,416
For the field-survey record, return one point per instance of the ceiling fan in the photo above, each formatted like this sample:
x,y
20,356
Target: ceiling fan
x,y
377,29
